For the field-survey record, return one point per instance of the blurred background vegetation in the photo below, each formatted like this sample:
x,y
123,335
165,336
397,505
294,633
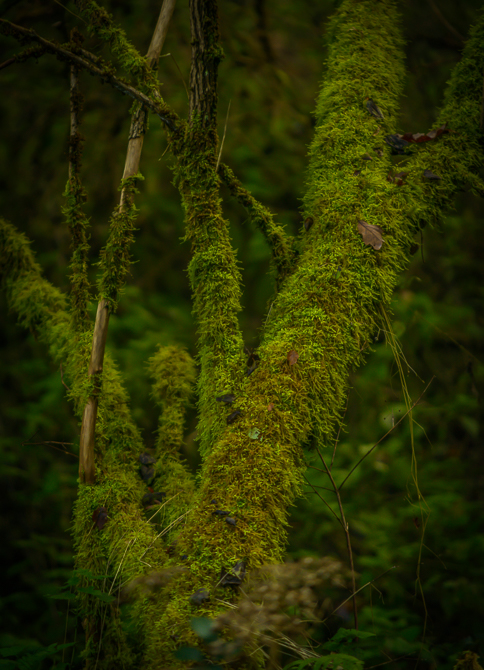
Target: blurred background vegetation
x,y
274,55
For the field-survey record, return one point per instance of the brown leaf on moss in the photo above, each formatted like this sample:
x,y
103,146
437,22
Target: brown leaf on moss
x,y
100,516
146,473
372,235
147,459
399,142
270,407
374,109
425,137
308,222
231,417
199,597
430,175
292,357
398,178
227,399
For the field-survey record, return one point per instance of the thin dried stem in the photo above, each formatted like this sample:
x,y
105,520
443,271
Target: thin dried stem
x,y
344,523
339,431
131,167
386,434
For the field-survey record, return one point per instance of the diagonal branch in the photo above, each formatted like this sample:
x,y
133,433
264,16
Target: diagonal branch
x,y
23,35
280,243
31,52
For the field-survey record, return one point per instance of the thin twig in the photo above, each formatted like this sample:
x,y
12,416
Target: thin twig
x,y
328,506
444,21
354,594
386,435
62,378
339,431
223,138
181,75
51,443
347,534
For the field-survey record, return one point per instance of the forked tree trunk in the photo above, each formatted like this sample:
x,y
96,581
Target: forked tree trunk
x,y
334,288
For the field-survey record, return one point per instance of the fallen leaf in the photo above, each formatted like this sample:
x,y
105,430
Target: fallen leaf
x,y
152,498
234,577
100,516
146,472
371,234
270,407
227,399
231,417
308,222
221,512
430,175
147,459
230,520
374,109
397,143
397,178
292,357
426,137
199,597
414,248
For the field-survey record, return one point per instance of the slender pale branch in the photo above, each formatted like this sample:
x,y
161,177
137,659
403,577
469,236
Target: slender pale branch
x,y
131,167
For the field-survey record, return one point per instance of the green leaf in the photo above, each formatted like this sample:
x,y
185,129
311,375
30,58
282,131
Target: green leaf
x,y
345,633
97,594
188,654
65,595
254,433
338,662
203,627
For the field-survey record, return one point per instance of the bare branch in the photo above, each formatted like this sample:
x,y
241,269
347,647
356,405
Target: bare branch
x,y
31,52
161,109
131,168
161,31
279,242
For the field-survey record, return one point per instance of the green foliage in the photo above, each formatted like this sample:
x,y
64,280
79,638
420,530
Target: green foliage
x,y
31,656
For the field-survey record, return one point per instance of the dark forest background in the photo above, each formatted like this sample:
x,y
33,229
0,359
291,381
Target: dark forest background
x,y
274,53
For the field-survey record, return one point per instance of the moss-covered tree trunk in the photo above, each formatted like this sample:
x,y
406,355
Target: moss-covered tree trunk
x,y
334,286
